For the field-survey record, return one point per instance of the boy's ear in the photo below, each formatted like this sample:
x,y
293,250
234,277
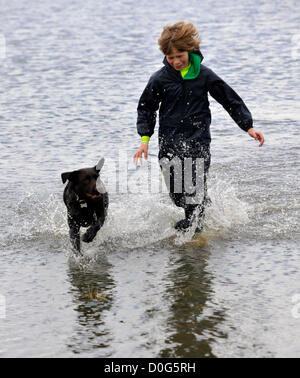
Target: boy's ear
x,y
66,176
99,165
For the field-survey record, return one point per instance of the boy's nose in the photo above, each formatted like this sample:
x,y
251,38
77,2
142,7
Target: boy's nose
x,y
177,63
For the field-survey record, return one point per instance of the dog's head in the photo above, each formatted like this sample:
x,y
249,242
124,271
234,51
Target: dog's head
x,y
84,180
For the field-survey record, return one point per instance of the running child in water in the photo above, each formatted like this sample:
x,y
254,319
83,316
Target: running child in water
x,y
180,91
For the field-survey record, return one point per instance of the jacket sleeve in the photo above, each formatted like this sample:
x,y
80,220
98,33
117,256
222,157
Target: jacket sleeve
x,y
147,108
230,101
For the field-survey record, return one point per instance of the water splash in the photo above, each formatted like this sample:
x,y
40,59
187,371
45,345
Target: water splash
x,y
134,220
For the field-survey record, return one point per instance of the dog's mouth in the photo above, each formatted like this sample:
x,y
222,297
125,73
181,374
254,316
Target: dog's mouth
x,y
93,196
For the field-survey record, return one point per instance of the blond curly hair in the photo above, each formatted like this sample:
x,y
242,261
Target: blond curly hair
x,y
181,36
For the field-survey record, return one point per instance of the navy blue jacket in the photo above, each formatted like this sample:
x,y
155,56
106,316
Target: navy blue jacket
x,y
184,114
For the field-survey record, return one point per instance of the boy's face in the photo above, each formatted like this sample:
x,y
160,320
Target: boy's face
x,y
178,59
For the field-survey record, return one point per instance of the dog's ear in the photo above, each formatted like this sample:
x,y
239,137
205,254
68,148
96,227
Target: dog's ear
x,y
66,176
99,165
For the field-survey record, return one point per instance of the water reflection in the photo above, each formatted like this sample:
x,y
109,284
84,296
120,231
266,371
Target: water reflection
x,y
194,323
169,313
91,290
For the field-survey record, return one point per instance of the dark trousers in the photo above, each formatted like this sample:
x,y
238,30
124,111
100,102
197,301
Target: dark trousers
x,y
186,178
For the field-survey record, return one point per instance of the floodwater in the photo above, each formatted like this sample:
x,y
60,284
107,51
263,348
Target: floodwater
x,y
71,75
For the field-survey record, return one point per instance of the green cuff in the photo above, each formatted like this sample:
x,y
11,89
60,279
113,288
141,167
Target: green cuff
x,y
145,139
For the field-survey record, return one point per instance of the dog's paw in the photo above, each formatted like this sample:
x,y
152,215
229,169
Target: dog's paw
x,y
89,235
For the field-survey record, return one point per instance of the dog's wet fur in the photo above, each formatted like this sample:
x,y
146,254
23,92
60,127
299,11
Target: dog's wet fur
x,y
86,203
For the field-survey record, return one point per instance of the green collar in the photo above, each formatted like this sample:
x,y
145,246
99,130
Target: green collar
x,y
194,69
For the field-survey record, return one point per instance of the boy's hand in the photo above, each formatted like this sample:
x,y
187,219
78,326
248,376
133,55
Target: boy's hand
x,y
257,135
143,149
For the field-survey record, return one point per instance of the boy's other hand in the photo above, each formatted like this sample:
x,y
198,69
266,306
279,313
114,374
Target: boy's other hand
x,y
143,149
257,135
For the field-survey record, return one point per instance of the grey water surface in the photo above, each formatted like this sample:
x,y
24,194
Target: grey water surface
x,y
71,73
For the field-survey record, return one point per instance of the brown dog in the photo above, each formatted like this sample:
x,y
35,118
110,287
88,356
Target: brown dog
x,y
86,205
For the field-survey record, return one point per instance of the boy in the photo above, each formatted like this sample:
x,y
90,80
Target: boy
x,y
180,91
